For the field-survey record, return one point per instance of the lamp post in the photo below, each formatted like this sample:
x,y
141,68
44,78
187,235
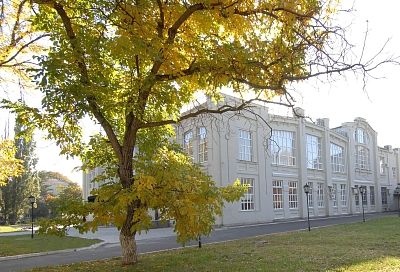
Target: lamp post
x,y
307,190
362,190
32,200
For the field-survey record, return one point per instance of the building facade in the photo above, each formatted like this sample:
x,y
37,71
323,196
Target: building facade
x,y
275,156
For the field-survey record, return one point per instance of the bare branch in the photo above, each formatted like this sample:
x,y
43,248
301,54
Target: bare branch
x,y
3,63
220,110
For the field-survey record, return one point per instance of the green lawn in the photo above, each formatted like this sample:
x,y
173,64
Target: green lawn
x,y
370,246
22,244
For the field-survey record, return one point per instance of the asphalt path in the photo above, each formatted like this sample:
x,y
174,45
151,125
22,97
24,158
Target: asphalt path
x,y
166,243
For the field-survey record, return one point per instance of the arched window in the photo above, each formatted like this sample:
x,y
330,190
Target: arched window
x,y
360,136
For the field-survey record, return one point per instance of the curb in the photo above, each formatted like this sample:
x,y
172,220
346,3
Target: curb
x,y
28,255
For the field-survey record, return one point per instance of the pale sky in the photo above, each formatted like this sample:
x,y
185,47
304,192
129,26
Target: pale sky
x,y
340,101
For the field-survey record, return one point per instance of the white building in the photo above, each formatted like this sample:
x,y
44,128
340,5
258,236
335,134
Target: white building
x,y
276,156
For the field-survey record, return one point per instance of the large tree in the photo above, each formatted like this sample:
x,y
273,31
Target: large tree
x,y
132,65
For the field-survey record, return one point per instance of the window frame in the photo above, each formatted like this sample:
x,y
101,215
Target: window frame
x,y
337,157
372,195
320,195
361,136
245,145
283,147
310,195
202,145
188,143
334,195
343,195
277,195
384,195
293,195
314,159
247,202
362,158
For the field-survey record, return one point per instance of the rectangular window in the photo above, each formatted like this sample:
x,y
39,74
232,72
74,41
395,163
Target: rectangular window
x,y
247,200
382,165
384,195
202,134
394,172
337,158
313,152
333,194
188,143
320,195
293,197
277,194
343,195
372,195
362,158
245,146
283,147
357,196
310,195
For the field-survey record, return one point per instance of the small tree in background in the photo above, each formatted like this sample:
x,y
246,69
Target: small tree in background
x,y
14,201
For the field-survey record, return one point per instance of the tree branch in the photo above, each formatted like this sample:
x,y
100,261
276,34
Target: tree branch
x,y
22,48
94,107
220,110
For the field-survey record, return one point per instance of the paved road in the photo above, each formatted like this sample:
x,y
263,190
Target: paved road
x,y
152,243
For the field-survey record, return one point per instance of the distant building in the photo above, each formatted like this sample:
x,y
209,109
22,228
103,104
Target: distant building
x,y
55,186
54,182
276,156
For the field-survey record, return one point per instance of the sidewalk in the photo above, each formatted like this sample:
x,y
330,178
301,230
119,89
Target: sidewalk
x,y
110,235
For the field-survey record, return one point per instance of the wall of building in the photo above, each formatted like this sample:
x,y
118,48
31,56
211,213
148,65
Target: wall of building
x,y
347,158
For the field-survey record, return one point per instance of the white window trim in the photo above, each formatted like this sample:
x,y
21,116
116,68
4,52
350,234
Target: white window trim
x,y
337,158
314,161
293,195
277,198
245,145
247,200
202,144
283,146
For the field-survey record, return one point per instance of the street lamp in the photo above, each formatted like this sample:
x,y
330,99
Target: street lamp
x,y
307,190
32,200
362,190
397,193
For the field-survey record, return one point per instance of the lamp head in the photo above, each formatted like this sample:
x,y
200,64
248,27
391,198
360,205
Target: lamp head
x,y
307,189
32,199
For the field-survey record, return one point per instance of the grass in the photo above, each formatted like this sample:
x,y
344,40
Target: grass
x,y
22,244
4,229
370,246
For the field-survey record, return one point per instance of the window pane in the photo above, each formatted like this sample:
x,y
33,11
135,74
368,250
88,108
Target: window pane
x,y
245,146
277,197
337,158
202,136
283,147
313,152
293,197
247,200
188,143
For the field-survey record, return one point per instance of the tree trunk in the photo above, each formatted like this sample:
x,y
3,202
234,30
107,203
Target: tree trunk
x,y
128,245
